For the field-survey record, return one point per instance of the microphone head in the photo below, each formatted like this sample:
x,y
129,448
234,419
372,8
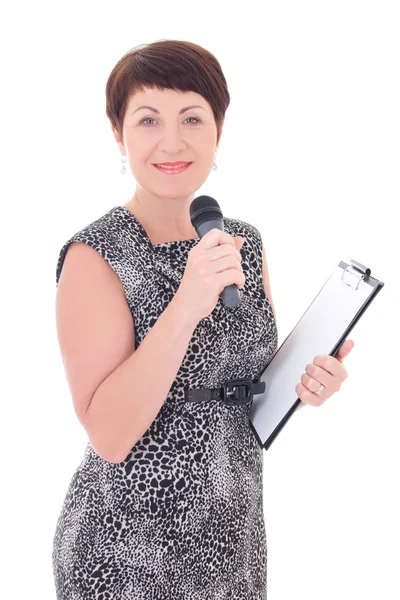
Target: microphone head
x,y
204,208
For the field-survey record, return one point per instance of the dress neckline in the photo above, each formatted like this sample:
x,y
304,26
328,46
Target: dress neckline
x,y
138,223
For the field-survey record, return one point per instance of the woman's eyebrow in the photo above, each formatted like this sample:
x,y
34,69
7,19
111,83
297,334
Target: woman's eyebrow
x,y
158,112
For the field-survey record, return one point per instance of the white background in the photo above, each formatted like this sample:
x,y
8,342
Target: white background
x,y
310,155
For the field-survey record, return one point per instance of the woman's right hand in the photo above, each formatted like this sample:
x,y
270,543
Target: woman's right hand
x,y
213,264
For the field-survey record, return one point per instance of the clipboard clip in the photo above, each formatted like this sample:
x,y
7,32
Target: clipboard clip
x,y
354,273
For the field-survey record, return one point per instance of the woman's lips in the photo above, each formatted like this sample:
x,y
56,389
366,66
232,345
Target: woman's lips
x,y
172,170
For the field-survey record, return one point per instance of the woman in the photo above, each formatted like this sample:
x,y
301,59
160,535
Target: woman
x,y
167,501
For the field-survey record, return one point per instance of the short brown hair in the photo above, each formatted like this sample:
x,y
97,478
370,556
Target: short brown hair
x,y
171,64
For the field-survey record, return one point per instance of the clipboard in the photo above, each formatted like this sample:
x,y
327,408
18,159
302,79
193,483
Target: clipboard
x,y
321,330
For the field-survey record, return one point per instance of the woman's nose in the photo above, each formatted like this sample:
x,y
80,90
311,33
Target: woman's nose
x,y
172,139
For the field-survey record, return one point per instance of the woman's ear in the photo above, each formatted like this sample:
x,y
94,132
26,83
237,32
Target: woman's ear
x,y
118,139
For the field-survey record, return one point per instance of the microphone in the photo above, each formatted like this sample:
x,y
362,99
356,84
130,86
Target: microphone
x,y
206,214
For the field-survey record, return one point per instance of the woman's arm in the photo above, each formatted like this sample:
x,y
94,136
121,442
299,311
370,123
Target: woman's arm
x,y
117,390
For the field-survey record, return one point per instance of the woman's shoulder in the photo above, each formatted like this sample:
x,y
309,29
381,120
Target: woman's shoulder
x,y
104,234
250,232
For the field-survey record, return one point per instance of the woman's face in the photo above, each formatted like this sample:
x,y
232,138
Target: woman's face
x,y
169,136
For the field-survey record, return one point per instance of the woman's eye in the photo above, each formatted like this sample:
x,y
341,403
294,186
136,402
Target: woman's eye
x,y
150,119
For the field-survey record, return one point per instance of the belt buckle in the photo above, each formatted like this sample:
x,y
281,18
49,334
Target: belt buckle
x,y
236,396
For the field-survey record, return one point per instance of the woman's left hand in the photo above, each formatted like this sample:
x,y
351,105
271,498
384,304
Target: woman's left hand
x,y
326,369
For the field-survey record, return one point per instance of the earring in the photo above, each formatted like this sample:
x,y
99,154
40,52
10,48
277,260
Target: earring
x,y
215,166
123,170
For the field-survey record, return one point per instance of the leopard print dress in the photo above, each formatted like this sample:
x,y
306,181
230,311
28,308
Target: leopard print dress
x,y
181,517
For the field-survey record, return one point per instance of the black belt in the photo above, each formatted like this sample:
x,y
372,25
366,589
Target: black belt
x,y
242,392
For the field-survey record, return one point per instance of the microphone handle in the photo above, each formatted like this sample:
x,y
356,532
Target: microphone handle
x,y
230,294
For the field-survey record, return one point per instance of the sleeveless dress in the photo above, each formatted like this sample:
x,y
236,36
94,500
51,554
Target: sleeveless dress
x,y
181,517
